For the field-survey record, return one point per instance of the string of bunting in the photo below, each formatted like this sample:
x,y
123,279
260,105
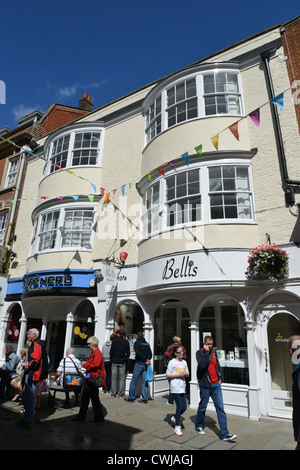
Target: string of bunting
x,y
106,194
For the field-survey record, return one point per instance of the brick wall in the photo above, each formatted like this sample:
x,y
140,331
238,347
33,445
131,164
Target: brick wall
x,y
291,43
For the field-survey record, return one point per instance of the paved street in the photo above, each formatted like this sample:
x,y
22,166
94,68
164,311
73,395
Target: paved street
x,y
135,427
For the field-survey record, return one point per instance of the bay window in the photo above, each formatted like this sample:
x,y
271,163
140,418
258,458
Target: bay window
x,y
201,195
200,94
76,147
63,228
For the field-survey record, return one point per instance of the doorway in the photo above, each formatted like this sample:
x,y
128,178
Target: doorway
x,y
278,365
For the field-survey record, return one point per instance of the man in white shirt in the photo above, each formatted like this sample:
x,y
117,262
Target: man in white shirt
x,y
68,365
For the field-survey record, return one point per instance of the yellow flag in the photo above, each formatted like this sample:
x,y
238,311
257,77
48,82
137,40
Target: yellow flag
x,y
215,141
149,175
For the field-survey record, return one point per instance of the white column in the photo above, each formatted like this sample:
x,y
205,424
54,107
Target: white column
x,y
195,344
69,329
254,393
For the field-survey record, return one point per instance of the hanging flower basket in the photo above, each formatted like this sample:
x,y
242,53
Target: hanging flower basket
x,y
268,262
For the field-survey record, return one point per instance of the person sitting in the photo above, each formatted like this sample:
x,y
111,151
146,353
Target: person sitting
x,y
68,365
8,369
16,382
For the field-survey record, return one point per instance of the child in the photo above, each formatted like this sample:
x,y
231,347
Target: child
x,y
177,371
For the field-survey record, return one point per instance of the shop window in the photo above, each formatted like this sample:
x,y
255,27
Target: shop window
x,y
83,328
13,327
223,319
170,319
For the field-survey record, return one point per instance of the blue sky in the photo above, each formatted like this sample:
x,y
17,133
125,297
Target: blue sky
x,y
53,52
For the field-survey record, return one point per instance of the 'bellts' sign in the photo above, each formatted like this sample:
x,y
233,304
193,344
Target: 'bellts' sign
x,y
182,269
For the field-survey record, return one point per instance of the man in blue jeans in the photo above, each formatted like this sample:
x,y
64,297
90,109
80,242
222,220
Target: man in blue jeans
x,y
143,354
210,379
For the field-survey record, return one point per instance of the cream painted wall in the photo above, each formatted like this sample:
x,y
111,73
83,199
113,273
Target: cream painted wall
x,y
209,236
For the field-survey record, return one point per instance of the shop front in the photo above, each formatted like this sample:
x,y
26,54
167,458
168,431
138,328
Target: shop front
x,y
60,304
250,324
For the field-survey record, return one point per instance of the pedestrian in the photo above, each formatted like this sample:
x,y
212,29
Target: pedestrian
x,y
16,382
294,350
8,369
68,365
143,356
210,379
95,369
177,372
176,342
36,371
119,355
107,364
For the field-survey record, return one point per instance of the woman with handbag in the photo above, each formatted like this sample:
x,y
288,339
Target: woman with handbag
x,y
95,378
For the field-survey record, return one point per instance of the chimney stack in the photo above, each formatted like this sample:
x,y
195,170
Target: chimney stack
x,y
85,103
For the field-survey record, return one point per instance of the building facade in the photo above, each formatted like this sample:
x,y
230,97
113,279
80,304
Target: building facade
x,y
142,214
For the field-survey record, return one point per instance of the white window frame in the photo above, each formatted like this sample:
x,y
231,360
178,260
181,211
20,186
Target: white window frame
x,y
12,171
3,225
63,159
203,212
59,230
152,130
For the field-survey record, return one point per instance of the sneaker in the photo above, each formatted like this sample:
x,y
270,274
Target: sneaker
x,y
173,419
170,404
177,431
229,437
200,430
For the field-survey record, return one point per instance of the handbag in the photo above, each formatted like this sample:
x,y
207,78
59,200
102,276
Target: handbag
x,y
150,377
97,381
73,380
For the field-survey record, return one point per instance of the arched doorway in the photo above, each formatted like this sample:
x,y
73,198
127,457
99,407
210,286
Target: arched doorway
x,y
278,365
129,316
171,319
83,328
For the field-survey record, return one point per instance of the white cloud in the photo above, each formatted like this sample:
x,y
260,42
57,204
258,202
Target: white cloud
x,y
70,91
22,110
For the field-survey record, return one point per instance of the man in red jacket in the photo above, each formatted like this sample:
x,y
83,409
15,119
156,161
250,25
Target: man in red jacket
x,y
36,370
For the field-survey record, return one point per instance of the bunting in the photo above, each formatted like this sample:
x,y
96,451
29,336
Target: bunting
x,y
253,115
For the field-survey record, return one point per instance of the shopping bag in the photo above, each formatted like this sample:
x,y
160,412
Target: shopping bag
x,y
149,374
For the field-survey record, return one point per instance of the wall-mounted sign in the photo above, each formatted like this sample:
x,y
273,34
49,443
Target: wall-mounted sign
x,y
179,268
42,281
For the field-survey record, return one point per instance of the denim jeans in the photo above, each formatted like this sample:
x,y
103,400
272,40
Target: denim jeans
x,y
107,366
139,369
28,399
215,392
180,400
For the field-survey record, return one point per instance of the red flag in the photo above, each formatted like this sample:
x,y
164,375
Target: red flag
x,y
234,130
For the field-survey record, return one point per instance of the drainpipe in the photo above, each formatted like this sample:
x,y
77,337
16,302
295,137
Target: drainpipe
x,y
289,192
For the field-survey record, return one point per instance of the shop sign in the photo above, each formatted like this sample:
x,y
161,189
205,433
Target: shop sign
x,y
47,282
110,274
175,269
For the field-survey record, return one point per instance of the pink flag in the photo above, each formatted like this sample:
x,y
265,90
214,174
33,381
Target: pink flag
x,y
255,117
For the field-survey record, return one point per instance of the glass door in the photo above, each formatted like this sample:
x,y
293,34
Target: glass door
x,y
278,364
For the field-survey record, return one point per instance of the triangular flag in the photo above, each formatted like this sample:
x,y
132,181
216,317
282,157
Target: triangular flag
x,y
43,197
234,129
13,201
185,157
10,141
215,141
91,197
255,116
149,175
130,184
122,189
106,197
114,192
102,191
93,186
278,100
75,197
172,165
60,197
161,170
199,150
28,199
